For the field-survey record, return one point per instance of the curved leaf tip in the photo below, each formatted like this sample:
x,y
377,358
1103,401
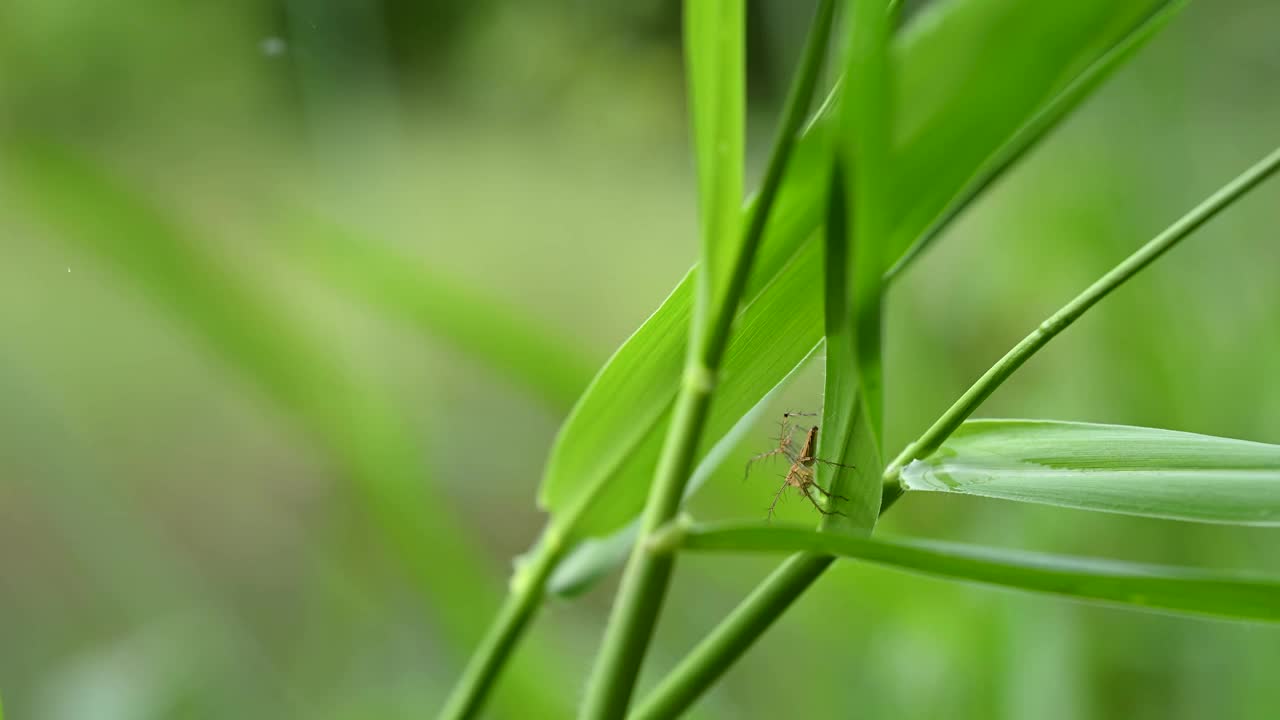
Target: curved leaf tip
x,y
1108,468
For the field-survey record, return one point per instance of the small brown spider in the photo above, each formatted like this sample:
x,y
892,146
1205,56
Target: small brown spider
x,y
800,475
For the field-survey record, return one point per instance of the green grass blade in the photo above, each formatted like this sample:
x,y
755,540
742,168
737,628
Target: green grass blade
x,y
842,438
853,397
1108,468
867,124
503,337
1146,587
715,59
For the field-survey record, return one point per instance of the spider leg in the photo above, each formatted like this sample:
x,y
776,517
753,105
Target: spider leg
x,y
818,506
776,497
827,493
761,456
836,464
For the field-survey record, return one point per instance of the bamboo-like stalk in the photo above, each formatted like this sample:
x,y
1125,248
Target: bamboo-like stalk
x,y
645,580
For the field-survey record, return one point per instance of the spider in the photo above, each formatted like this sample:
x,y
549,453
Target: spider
x,y
800,475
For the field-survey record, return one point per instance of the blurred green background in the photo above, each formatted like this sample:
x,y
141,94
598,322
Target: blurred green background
x,y
237,482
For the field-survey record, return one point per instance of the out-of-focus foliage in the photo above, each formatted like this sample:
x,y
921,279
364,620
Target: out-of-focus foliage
x,y
172,543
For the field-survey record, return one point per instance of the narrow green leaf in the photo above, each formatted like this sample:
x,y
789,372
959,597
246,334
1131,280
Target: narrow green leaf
x,y
714,35
853,398
855,488
867,126
1108,468
611,439
505,338
1148,587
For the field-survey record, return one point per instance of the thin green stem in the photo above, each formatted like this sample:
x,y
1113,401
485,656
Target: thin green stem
x,y
521,604
738,632
645,580
712,657
933,438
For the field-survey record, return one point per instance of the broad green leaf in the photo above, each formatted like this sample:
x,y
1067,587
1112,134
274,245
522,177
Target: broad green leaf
x,y
714,39
503,337
602,460
969,76
594,557
1108,468
1040,124
752,367
1148,587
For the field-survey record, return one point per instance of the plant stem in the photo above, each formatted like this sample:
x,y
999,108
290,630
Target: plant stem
x,y
709,660
736,633
933,438
522,602
645,580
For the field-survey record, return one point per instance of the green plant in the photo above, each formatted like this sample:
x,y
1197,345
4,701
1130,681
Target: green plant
x,y
657,418
922,118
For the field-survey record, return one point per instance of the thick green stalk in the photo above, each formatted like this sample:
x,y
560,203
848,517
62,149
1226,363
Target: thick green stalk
x,y
645,579
644,582
933,438
704,665
522,603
